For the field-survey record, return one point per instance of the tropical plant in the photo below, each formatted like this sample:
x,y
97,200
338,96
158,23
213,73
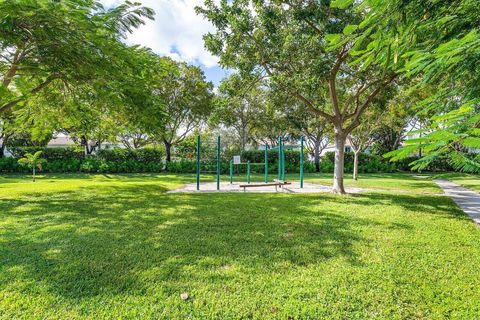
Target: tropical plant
x,y
33,161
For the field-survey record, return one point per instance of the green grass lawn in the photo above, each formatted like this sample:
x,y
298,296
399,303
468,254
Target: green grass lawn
x,y
120,247
395,182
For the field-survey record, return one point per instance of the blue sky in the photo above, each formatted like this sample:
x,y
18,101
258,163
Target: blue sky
x,y
177,32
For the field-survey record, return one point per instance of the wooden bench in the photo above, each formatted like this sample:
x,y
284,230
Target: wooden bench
x,y
268,184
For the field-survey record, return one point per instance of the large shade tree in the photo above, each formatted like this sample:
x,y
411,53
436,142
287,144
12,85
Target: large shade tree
x,y
240,103
309,50
187,97
58,57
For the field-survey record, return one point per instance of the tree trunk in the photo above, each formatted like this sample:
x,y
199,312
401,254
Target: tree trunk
x,y
244,140
316,155
355,165
340,140
84,143
2,147
33,174
168,150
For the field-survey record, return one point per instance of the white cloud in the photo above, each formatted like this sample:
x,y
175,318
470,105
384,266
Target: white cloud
x,y
176,32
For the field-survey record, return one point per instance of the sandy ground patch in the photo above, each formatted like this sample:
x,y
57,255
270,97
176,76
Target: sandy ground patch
x,y
235,187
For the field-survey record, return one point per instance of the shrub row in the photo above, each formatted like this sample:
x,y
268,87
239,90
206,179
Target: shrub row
x,y
151,160
440,164
144,155
114,155
51,154
367,163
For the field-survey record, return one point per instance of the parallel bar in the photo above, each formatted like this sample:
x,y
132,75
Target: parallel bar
x,y
266,164
198,162
218,163
301,161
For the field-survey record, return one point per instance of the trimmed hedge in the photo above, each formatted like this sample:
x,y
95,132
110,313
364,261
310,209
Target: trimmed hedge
x,y
51,154
367,163
440,164
10,165
145,155
64,160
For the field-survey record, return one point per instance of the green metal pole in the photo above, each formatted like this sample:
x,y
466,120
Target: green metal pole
x,y
283,162
218,163
279,163
248,172
301,161
231,171
198,162
266,164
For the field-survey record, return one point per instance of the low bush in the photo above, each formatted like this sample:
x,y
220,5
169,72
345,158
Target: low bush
x,y
51,154
367,163
67,165
440,164
96,165
145,155
10,165
64,160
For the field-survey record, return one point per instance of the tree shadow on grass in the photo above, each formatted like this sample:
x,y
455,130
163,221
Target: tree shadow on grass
x,y
438,206
89,242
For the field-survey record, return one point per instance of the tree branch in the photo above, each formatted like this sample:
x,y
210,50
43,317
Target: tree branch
x,y
360,108
332,86
6,107
307,102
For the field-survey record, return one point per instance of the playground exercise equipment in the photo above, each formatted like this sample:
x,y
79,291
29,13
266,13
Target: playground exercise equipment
x,y
279,182
200,161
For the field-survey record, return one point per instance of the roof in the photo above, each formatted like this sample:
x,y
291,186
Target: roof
x,y
60,141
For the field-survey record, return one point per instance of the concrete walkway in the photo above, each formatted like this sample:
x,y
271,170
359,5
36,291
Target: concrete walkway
x,y
465,198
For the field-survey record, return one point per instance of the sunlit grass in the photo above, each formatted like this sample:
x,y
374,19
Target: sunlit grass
x,y
119,246
395,182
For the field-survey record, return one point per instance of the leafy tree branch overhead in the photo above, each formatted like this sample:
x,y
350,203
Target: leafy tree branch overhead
x,y
70,42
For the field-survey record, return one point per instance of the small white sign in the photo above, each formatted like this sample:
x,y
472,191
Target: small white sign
x,y
236,160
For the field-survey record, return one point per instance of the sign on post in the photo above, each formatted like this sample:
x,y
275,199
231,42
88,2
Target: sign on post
x,y
236,160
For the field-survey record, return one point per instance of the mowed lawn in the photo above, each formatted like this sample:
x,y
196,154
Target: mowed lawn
x,y
120,247
393,182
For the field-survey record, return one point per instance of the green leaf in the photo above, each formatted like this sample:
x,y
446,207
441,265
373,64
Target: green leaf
x,y
471,142
349,29
341,4
333,38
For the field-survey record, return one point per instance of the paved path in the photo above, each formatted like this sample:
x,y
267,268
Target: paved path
x,y
465,198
